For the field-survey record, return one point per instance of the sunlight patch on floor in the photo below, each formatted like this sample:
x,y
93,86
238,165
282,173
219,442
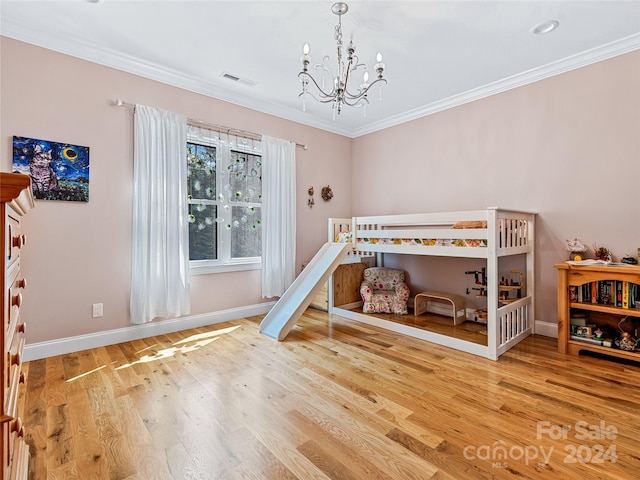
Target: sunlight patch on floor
x,y
189,344
214,333
87,373
186,345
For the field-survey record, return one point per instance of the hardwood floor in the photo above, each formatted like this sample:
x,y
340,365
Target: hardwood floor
x,y
337,400
470,331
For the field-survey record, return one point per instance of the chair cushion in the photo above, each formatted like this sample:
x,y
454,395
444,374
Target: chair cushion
x,y
383,278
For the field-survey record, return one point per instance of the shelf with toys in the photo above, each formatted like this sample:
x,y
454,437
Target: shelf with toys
x,y
509,290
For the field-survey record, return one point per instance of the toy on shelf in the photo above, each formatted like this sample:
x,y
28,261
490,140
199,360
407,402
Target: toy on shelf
x,y
480,279
510,285
505,287
626,341
601,253
628,259
576,249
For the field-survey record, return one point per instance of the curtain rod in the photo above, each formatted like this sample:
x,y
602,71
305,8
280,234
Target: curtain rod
x,y
221,128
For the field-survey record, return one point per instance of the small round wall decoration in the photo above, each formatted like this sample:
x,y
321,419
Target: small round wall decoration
x,y
327,193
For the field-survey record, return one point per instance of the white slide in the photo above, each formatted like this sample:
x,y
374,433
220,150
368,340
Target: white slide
x,y
285,313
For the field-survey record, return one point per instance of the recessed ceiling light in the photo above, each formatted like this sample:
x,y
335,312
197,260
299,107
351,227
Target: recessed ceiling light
x,y
545,27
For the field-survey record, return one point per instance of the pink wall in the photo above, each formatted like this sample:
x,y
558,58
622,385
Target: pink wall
x,y
78,254
567,147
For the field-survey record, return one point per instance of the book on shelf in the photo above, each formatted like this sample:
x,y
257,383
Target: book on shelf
x,y
618,302
578,319
603,342
573,293
616,293
628,294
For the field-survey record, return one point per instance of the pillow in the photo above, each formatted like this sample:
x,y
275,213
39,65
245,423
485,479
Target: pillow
x,y
343,237
471,224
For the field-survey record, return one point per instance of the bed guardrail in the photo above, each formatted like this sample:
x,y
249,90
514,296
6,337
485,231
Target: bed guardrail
x,y
512,232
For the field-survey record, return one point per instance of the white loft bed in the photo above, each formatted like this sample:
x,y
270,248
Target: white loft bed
x,y
488,234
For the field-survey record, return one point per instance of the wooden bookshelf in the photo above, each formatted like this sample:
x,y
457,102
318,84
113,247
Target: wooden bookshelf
x,y
577,275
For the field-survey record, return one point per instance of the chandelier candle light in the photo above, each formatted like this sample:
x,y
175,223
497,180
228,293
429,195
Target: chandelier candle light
x,y
341,92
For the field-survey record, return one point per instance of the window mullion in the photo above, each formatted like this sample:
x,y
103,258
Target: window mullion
x,y
224,232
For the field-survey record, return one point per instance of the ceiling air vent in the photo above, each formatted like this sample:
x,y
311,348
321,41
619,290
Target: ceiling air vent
x,y
235,78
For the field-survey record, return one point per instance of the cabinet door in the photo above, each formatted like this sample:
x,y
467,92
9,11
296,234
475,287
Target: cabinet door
x,y
346,283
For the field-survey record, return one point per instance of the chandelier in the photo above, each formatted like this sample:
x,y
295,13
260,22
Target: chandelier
x,y
340,91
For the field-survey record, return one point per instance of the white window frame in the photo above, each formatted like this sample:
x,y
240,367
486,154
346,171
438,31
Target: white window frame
x,y
223,144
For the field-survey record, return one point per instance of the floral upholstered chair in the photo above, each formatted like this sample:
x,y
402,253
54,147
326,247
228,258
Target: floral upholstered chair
x,y
384,291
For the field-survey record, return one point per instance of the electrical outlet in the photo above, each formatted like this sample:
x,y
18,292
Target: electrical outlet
x,y
97,310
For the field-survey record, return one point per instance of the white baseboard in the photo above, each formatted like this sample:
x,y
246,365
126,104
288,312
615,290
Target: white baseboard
x,y
546,329
61,346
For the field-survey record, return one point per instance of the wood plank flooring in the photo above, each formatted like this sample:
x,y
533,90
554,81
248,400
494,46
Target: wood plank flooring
x,y
335,400
470,331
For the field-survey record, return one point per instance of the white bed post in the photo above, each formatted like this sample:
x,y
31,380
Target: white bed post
x,y
531,284
332,238
493,327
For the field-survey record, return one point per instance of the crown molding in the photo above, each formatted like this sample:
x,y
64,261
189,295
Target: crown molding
x,y
604,52
86,50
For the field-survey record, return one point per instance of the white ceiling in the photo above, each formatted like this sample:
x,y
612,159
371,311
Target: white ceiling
x,y
438,54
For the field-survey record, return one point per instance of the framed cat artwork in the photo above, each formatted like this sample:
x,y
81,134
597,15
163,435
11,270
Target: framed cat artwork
x,y
58,171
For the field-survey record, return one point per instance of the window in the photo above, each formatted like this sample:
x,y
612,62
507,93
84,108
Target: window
x,y
224,186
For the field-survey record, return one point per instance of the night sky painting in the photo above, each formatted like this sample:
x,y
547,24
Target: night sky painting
x,y
59,171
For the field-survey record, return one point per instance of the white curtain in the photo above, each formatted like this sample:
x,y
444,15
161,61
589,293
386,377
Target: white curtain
x,y
278,215
160,252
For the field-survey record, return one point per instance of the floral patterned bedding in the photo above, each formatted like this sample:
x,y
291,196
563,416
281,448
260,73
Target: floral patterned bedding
x,y
347,237
427,242
344,237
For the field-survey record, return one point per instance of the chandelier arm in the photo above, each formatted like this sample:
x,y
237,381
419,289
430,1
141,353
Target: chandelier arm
x,y
322,92
357,103
346,86
377,80
347,98
348,94
325,65
356,62
363,93
321,100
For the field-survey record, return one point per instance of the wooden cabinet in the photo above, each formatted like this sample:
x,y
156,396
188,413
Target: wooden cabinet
x,y
15,201
576,276
346,286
